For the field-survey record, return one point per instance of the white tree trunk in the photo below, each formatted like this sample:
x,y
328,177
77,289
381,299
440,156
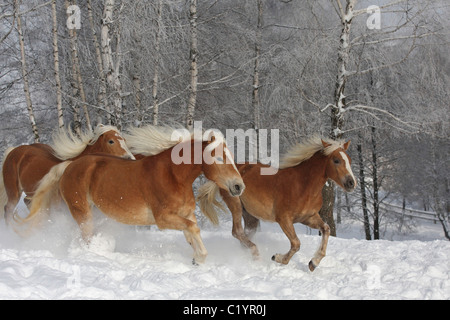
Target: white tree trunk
x,y
338,109
56,63
110,69
255,87
193,58
26,88
101,99
337,116
77,75
157,60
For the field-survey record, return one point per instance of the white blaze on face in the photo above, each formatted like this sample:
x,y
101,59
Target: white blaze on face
x,y
229,159
219,141
347,165
123,145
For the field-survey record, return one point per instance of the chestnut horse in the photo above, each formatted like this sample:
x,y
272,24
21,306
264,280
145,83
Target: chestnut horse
x,y
24,166
156,189
293,194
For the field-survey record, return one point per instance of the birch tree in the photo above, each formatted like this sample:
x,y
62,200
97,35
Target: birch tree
x,y
56,64
101,99
136,74
23,61
78,86
193,55
157,59
111,67
255,86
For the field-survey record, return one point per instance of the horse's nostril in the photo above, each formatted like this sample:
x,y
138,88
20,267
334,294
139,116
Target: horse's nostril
x,y
237,187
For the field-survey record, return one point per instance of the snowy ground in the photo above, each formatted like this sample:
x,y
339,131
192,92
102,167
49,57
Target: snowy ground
x,y
125,262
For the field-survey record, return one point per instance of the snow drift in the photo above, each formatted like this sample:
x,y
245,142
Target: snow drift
x,y
125,262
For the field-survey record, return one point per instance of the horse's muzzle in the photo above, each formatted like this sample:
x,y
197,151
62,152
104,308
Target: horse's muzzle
x,y
349,184
236,188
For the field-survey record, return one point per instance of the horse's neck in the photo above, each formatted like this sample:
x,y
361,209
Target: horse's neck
x,y
184,172
313,172
87,150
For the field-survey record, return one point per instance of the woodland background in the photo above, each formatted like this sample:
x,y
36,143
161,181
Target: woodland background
x,y
303,67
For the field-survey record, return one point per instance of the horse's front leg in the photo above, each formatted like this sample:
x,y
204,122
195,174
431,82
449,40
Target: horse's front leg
x,y
316,222
173,220
288,228
235,206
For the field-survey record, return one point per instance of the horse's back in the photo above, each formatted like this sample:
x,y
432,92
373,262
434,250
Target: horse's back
x,y
97,169
32,152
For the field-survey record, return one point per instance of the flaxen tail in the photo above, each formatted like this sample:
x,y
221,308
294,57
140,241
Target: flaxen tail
x,y
208,202
3,196
47,190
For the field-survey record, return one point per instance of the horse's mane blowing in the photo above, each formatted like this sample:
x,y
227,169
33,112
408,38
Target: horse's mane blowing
x,y
152,140
303,151
67,145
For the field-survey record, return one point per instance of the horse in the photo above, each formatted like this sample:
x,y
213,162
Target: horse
x,y
156,189
24,166
293,194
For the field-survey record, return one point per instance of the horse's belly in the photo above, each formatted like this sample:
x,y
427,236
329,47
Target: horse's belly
x,y
133,215
259,209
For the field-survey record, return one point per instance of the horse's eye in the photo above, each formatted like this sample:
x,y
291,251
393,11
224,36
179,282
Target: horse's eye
x,y
336,161
111,141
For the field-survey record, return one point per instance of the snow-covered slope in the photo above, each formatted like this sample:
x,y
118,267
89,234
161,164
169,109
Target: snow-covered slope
x,y
125,262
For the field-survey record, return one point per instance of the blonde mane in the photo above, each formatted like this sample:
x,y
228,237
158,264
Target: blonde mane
x,y
151,140
305,150
67,145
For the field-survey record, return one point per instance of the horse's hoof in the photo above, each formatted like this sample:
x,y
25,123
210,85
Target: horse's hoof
x,y
194,262
280,259
311,266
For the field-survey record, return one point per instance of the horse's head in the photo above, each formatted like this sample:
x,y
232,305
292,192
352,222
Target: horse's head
x,y
111,142
218,165
338,167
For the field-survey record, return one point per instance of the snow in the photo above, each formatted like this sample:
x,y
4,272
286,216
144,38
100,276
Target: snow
x,y
126,262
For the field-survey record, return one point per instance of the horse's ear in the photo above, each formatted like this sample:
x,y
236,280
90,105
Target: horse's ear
x,y
325,144
346,145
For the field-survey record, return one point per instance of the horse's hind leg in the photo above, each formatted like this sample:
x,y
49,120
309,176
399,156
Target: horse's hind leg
x,y
13,193
10,207
235,206
251,224
316,222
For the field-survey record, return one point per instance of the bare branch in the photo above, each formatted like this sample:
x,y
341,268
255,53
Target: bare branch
x,y
362,11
